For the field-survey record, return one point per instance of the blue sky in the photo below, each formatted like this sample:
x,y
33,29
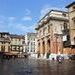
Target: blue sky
x,y
21,16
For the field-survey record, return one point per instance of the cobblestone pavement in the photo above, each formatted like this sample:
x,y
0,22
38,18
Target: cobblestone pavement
x,y
36,67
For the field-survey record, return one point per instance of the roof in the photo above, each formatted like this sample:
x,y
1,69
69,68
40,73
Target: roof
x,y
73,3
54,11
4,32
31,33
16,36
53,18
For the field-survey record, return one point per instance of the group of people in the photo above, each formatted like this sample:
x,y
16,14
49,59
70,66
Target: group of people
x,y
60,59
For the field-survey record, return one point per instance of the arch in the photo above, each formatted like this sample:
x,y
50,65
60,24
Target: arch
x,y
48,43
43,45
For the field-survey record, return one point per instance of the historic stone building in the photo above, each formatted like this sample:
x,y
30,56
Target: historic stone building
x,y
71,11
30,43
11,44
50,33
4,42
17,43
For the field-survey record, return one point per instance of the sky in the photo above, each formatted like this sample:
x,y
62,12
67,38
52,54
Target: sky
x,y
21,16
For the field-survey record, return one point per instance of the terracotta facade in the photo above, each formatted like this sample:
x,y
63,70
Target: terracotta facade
x,y
50,33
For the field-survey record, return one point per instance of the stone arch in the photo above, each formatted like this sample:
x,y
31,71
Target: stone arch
x,y
48,43
43,44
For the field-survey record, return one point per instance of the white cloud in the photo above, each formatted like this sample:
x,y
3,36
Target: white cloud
x,y
9,24
27,18
25,28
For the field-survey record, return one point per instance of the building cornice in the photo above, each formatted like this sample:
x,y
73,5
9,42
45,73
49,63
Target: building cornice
x,y
47,18
73,3
51,18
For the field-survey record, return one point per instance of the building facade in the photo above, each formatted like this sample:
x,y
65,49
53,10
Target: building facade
x,y
71,11
30,43
17,43
11,44
50,33
4,42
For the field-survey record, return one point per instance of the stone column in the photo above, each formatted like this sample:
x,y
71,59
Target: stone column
x,y
46,48
51,44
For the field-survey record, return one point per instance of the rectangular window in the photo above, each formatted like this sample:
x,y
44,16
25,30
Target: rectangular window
x,y
48,28
44,31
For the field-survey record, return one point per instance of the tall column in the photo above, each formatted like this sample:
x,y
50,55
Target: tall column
x,y
46,48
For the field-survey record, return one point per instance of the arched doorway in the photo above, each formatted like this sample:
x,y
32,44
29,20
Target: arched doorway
x,y
48,42
43,44
48,48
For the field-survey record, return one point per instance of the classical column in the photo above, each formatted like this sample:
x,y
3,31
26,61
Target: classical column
x,y
46,48
51,44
